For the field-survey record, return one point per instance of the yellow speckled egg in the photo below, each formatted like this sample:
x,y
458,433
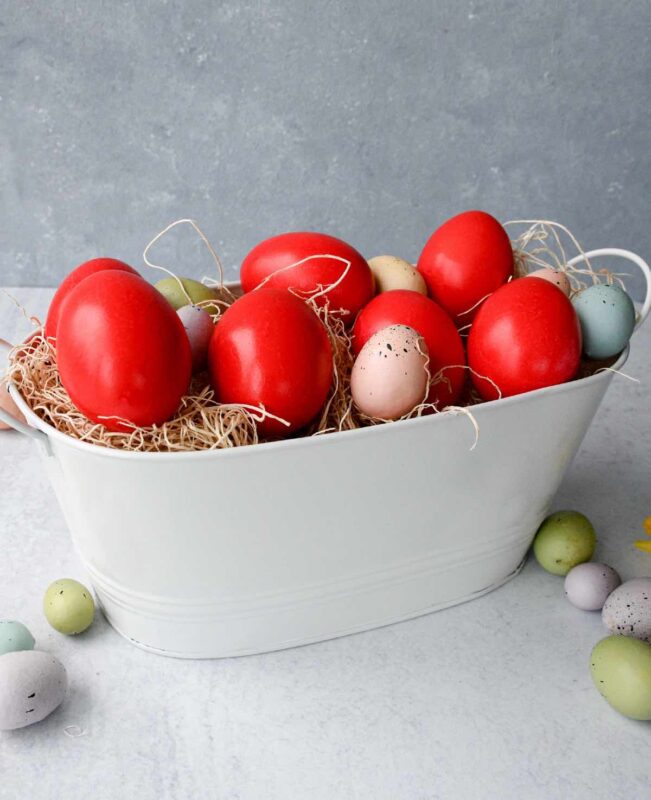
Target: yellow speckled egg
x,y
391,272
68,606
390,377
559,279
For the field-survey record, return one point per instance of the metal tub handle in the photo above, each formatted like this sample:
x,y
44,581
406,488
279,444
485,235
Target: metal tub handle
x,y
629,256
15,423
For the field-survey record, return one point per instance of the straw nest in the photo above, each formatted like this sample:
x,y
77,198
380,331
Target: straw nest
x,y
202,423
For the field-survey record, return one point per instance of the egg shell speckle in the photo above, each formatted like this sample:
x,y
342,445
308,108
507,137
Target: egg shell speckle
x,y
199,327
588,585
607,317
627,611
392,272
389,377
559,279
32,685
14,636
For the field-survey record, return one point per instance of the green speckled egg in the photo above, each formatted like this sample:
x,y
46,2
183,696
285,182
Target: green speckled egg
x,y
171,291
68,606
565,539
621,670
607,317
14,636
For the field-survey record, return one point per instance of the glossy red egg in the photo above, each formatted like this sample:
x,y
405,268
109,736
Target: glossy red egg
x,y
403,307
270,349
122,351
268,262
525,336
73,279
466,259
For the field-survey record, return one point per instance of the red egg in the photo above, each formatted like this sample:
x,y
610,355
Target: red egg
x,y
466,259
270,349
268,262
525,336
122,351
404,307
73,279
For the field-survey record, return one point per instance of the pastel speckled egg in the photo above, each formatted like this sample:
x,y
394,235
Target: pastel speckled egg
x,y
14,636
559,279
68,606
389,377
179,291
392,272
621,671
607,317
588,585
565,539
32,685
199,326
627,611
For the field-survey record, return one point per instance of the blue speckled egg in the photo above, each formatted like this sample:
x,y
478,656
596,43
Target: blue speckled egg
x,y
607,317
14,636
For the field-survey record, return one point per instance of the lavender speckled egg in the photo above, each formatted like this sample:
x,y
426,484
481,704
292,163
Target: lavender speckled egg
x,y
199,326
389,377
559,279
627,611
588,585
32,685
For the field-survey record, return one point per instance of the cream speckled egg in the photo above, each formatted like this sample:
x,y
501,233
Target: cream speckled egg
x,y
391,272
627,611
32,685
559,279
588,585
389,377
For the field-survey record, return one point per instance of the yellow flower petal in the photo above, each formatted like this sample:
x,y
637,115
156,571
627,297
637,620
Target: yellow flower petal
x,y
647,526
643,545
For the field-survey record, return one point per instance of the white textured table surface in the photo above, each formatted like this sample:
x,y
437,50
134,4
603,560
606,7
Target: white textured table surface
x,y
492,699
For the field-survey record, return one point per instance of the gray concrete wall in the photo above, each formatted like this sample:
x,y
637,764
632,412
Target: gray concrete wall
x,y
373,121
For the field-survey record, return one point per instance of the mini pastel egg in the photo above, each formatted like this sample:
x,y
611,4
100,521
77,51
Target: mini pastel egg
x,y
627,611
68,606
607,317
199,326
565,539
621,671
180,291
588,585
14,636
32,685
559,279
392,272
390,377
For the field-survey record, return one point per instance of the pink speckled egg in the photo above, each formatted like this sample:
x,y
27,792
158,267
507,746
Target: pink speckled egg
x,y
199,326
389,377
559,279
